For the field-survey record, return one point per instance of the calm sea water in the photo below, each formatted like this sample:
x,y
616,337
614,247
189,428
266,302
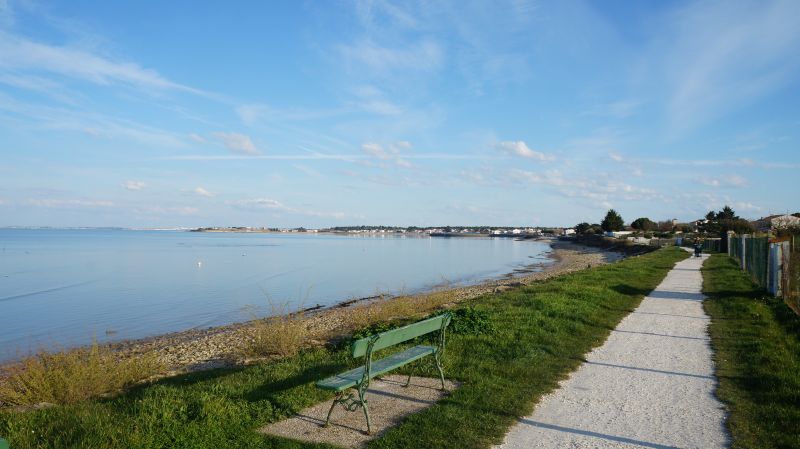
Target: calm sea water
x,y
61,288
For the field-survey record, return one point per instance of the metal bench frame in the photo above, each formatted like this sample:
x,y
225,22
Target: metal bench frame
x,y
352,403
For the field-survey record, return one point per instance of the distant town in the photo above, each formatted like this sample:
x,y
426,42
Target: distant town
x,y
638,229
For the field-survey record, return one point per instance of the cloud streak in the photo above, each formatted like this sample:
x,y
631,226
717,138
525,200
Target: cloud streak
x,y
21,54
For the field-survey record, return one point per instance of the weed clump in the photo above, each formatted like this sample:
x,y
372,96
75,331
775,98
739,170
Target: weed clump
x,y
74,376
281,334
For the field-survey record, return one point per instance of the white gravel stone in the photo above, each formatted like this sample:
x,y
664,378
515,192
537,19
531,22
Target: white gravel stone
x,y
650,385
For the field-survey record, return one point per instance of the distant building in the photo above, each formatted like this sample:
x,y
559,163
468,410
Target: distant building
x,y
773,222
569,231
618,233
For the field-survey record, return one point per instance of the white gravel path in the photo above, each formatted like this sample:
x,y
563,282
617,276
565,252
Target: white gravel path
x,y
650,385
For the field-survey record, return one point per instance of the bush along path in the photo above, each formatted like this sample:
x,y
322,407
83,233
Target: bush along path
x,y
650,385
756,340
511,348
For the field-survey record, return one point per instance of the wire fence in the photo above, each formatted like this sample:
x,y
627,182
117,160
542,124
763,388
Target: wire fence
x,y
773,264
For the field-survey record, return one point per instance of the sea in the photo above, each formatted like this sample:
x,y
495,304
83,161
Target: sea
x,y
62,288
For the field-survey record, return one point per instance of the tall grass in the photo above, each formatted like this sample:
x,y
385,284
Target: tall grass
x,y
282,334
73,376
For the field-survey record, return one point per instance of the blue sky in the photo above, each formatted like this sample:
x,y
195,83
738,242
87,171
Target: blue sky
x,y
335,113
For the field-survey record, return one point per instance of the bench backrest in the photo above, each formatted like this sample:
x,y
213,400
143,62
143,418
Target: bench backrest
x,y
401,334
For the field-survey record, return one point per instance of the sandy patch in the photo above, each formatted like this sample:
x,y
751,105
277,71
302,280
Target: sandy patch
x,y
389,402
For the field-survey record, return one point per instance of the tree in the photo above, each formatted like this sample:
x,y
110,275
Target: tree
x,y
726,214
643,224
581,228
612,222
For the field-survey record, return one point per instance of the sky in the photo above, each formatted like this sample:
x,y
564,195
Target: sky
x,y
336,113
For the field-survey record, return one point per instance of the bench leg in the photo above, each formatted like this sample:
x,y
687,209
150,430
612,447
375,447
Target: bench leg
x,y
439,367
335,401
363,399
408,381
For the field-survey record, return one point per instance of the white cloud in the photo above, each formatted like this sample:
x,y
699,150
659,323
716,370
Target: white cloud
x,y
615,156
134,185
237,143
202,192
18,53
68,203
520,148
376,150
392,154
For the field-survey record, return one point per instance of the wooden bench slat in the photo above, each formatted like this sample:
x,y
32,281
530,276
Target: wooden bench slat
x,y
399,335
350,378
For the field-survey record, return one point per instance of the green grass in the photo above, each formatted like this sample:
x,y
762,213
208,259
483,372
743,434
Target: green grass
x,y
537,335
757,352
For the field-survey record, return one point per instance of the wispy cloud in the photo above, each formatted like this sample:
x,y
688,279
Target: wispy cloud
x,y
520,148
731,180
237,143
134,185
728,54
391,153
616,109
200,191
276,206
197,138
91,123
365,54
68,203
346,157
19,53
157,210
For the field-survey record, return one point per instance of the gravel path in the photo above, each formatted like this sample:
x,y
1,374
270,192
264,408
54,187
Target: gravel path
x,y
651,385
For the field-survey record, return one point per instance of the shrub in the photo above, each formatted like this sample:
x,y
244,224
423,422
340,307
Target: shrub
x,y
73,376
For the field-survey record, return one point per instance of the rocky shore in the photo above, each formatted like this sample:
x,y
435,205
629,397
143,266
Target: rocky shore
x,y
200,349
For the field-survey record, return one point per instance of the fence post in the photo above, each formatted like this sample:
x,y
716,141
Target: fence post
x,y
773,269
744,253
728,246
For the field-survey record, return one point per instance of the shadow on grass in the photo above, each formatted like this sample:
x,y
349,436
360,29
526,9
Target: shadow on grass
x,y
271,391
630,290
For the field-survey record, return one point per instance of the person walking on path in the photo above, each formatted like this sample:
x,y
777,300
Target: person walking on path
x,y
650,385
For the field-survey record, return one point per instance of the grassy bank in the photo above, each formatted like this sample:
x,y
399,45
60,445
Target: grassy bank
x,y
536,335
756,341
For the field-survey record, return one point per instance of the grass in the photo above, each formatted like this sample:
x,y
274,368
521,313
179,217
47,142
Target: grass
x,y
73,376
756,340
532,337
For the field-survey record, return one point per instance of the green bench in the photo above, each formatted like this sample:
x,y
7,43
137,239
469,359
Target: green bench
x,y
359,378
3,444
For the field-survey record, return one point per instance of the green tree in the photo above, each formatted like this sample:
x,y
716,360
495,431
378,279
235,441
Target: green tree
x,y
612,222
643,224
726,214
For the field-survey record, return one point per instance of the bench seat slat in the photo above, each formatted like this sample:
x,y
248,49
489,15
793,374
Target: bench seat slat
x,y
350,378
